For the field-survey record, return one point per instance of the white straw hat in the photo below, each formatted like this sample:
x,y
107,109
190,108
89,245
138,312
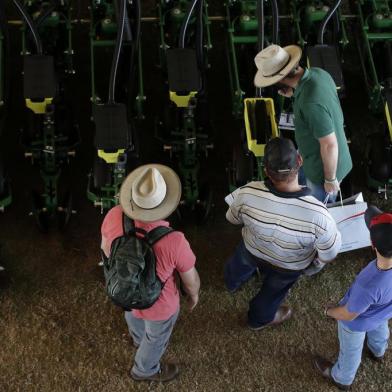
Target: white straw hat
x,y
274,63
150,193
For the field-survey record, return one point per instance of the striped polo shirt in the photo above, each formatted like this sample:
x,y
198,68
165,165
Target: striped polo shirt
x,y
288,230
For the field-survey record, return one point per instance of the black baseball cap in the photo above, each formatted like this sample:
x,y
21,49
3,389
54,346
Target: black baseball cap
x,y
379,224
280,155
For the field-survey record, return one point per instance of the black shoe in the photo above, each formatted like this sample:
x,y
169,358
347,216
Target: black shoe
x,y
324,368
168,372
369,353
283,314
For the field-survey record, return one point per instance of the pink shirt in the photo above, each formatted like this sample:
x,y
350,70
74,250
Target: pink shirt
x,y
173,252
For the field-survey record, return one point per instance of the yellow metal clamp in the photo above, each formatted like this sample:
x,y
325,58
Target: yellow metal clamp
x,y
38,107
258,149
182,101
110,157
388,116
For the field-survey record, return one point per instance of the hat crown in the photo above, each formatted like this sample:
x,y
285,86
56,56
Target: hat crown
x,y
271,60
149,189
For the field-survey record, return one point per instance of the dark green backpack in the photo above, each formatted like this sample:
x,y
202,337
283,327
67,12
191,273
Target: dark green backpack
x,y
130,270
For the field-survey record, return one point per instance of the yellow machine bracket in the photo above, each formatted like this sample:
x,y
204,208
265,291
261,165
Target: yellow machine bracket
x,y
38,107
388,116
250,103
110,157
182,101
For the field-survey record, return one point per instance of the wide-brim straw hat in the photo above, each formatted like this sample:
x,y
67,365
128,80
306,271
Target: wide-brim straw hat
x,y
274,63
150,193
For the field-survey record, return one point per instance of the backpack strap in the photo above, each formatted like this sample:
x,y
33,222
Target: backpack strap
x,y
129,227
157,234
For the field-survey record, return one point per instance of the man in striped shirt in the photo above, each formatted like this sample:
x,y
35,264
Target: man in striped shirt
x,y
285,231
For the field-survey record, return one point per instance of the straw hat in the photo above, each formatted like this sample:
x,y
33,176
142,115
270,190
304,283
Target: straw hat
x,y
150,193
274,63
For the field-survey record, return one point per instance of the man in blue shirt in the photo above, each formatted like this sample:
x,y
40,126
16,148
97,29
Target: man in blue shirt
x,y
365,309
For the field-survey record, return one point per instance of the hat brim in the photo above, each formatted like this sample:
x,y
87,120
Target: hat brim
x,y
295,53
370,213
169,203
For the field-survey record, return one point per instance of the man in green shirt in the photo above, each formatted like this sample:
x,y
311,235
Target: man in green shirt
x,y
318,117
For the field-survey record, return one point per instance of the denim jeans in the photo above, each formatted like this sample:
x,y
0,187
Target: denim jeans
x,y
276,284
351,344
317,190
152,337
319,193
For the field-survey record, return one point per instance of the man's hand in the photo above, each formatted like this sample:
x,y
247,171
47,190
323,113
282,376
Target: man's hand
x,y
286,92
191,285
192,301
341,313
331,186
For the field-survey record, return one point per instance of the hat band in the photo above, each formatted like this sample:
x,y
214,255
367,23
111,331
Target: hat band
x,y
276,73
382,218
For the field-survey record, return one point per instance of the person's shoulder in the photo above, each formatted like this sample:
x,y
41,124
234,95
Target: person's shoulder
x,y
113,214
255,185
312,203
175,238
368,278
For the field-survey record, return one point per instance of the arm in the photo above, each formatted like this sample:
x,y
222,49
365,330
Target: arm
x,y
328,241
232,218
191,284
105,246
329,155
341,313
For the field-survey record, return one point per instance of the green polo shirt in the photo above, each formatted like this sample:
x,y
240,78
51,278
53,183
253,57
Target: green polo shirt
x,y
317,113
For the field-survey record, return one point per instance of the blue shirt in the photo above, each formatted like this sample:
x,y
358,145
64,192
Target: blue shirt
x,y
371,297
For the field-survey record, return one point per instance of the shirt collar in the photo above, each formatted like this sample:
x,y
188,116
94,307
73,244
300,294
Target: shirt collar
x,y
303,80
288,195
148,226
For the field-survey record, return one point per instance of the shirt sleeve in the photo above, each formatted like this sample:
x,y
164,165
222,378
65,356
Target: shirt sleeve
x,y
233,214
319,119
111,228
329,241
360,299
185,258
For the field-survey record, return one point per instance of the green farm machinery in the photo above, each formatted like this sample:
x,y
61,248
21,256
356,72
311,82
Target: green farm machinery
x,y
117,95
50,134
320,28
185,130
251,25
5,191
375,49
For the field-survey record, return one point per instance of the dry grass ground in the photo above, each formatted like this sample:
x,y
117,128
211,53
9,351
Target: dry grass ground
x,y
58,332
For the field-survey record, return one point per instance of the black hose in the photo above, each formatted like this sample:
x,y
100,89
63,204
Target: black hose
x,y
135,47
200,35
332,10
6,52
260,25
30,23
42,17
185,24
117,51
138,21
127,27
275,21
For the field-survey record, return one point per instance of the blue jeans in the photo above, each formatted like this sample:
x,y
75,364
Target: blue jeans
x,y
152,337
276,284
351,344
317,190
319,193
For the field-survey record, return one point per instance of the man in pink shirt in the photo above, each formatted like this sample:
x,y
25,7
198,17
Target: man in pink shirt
x,y
148,195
